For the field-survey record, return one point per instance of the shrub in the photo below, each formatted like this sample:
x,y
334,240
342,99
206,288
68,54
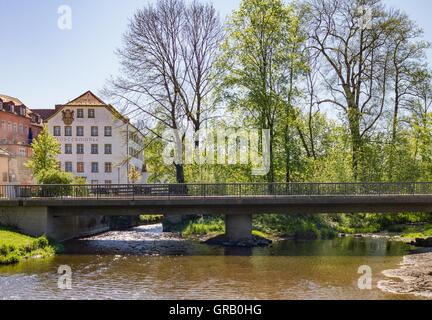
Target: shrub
x,y
55,176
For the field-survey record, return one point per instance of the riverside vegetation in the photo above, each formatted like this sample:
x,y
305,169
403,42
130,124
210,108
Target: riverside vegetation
x,y
299,227
16,247
343,101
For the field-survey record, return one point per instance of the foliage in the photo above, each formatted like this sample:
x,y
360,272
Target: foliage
x,y
134,174
150,218
15,247
44,160
46,149
203,226
342,103
54,176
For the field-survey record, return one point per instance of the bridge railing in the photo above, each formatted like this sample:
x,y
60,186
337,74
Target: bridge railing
x,y
101,191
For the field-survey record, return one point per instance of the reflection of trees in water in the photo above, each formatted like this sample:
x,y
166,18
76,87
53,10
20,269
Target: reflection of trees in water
x,y
340,247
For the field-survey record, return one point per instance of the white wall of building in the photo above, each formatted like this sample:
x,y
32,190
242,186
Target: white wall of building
x,y
119,142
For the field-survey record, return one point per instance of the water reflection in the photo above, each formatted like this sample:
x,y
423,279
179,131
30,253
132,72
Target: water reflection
x,y
286,270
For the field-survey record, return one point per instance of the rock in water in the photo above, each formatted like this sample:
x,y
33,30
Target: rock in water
x,y
425,243
255,241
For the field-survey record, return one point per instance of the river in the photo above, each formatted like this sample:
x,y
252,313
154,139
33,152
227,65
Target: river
x,y
144,264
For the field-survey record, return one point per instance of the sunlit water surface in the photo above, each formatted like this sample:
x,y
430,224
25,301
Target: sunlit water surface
x,y
286,270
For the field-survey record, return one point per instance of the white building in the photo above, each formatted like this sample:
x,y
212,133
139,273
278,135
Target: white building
x,y
97,142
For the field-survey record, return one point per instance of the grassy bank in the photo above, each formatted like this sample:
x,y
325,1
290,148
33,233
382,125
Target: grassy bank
x,y
313,227
16,247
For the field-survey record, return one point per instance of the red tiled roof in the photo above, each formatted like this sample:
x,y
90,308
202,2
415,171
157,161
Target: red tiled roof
x,y
7,99
44,113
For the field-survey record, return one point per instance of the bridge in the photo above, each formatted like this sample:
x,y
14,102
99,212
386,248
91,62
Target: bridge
x,y
54,209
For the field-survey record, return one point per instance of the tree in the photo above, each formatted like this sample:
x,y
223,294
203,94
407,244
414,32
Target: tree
x,y
134,175
43,162
260,60
167,68
407,53
357,62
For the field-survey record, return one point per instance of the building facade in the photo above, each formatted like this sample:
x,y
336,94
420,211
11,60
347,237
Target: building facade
x,y
18,127
4,166
97,142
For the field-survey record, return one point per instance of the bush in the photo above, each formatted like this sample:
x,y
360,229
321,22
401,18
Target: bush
x,y
42,243
54,176
203,226
307,231
11,258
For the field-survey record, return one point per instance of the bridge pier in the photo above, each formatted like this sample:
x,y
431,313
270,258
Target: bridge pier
x,y
238,227
170,221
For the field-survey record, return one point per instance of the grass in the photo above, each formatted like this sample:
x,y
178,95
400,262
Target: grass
x,y
420,231
16,247
203,226
150,218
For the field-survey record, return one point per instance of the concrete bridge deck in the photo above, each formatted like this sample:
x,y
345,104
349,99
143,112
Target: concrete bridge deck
x,y
229,205
238,202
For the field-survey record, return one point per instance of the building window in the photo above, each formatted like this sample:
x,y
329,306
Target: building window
x,y
5,177
68,131
57,131
91,113
80,131
108,131
108,149
94,131
94,149
108,181
80,167
80,149
80,113
68,166
95,182
108,167
68,149
95,167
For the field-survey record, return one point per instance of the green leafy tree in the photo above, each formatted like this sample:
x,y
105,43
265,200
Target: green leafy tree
x,y
44,163
134,175
259,58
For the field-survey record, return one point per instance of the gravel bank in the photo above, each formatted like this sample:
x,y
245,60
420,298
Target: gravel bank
x,y
413,277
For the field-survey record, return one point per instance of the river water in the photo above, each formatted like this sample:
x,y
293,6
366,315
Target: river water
x,y
143,264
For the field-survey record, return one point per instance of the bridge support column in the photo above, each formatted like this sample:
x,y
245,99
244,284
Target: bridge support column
x,y
238,227
170,221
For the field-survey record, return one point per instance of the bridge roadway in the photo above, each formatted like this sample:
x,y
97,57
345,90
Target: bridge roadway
x,y
238,202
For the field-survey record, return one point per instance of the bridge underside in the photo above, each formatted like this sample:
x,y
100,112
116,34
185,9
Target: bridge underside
x,y
60,219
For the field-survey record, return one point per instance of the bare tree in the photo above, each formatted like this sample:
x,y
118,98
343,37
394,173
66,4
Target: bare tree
x,y
166,67
201,39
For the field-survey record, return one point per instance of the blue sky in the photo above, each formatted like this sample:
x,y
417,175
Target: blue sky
x,y
43,65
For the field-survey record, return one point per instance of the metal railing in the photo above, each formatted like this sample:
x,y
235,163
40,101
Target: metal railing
x,y
240,190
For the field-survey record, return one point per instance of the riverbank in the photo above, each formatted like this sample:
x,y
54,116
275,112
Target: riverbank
x,y
403,227
16,247
413,277
147,240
